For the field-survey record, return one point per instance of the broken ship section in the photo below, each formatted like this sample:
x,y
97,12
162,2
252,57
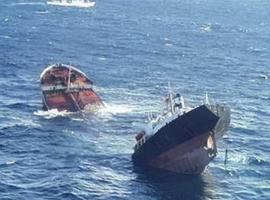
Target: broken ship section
x,y
183,140
65,87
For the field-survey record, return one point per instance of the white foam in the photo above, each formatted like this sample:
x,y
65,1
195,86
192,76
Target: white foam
x,y
77,119
107,110
168,44
263,76
102,58
116,108
206,28
10,162
5,36
51,113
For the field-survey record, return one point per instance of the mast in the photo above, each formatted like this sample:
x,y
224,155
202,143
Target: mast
x,y
182,101
206,99
170,98
69,74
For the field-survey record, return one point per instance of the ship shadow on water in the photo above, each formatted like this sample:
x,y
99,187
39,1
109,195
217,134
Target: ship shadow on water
x,y
171,186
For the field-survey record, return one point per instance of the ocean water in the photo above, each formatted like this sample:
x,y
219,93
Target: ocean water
x,y
131,50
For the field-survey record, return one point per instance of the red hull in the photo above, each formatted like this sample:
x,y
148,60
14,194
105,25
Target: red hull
x,y
71,101
66,88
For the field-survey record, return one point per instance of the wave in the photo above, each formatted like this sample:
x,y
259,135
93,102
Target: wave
x,y
206,28
53,113
69,195
41,12
17,124
28,3
257,161
5,36
210,27
107,112
4,186
117,108
108,109
20,105
12,162
263,76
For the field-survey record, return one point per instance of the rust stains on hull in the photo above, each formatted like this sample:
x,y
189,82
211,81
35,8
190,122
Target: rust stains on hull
x,y
64,87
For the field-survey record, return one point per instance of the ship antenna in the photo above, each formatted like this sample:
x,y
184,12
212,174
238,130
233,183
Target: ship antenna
x,y
170,97
169,87
149,116
206,99
182,101
69,74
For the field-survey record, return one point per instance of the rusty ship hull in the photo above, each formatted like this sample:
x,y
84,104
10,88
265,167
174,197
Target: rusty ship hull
x,y
64,87
187,144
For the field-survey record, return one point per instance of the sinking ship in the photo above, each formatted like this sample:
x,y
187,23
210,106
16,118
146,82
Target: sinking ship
x,y
182,139
65,87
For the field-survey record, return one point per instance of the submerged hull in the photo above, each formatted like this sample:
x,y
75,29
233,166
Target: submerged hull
x,y
190,157
186,145
71,101
67,88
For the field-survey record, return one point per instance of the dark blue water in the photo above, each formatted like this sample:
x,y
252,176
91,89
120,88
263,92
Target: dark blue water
x,y
131,49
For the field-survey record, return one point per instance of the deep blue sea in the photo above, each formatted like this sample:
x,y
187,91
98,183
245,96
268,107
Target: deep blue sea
x,y
131,50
